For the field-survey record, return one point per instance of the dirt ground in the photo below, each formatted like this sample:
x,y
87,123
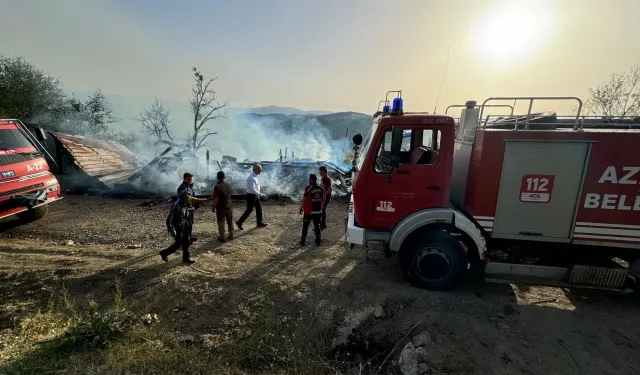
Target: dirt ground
x,y
475,329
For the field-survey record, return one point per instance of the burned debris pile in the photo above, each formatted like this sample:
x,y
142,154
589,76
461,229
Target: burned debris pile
x,y
109,168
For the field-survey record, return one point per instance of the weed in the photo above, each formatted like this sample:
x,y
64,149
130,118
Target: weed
x,y
95,328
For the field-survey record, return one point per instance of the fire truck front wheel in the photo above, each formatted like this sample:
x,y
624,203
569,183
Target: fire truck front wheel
x,y
34,214
432,260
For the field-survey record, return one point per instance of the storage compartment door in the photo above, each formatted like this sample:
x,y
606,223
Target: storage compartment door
x,y
540,185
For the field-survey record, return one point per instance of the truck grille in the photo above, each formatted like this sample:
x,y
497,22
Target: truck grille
x,y
15,158
21,190
597,276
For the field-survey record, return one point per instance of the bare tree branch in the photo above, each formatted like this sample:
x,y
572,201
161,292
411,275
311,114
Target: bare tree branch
x,y
156,120
202,139
617,98
205,107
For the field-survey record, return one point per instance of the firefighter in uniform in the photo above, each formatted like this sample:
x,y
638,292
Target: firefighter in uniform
x,y
180,225
311,207
327,185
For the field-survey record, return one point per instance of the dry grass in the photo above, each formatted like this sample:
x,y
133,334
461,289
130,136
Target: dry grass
x,y
72,340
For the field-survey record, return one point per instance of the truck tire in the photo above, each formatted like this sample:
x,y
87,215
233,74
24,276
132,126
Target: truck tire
x,y
433,260
34,214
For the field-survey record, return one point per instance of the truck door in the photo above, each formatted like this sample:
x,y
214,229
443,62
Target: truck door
x,y
417,181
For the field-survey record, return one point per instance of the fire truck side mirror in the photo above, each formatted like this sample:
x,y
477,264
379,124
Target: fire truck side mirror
x,y
40,134
357,139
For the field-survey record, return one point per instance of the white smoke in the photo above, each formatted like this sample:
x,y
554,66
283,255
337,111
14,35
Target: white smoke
x,y
258,138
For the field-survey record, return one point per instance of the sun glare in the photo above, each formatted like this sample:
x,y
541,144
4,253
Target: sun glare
x,y
509,33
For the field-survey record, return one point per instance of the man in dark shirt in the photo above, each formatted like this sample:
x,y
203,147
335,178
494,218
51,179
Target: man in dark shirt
x,y
311,207
222,207
187,184
179,225
327,184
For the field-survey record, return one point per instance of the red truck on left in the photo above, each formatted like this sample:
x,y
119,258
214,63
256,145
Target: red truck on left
x,y
27,185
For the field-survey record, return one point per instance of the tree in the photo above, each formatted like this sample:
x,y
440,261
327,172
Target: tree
x,y
619,97
28,93
155,120
90,117
98,114
205,107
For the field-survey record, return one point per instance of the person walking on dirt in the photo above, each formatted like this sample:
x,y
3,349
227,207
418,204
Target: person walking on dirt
x,y
187,184
180,226
311,207
327,184
222,207
253,198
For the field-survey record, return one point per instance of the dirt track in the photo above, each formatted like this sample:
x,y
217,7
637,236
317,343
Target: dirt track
x,y
489,329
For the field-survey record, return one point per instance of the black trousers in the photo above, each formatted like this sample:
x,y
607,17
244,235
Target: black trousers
x,y
324,213
252,201
182,240
306,221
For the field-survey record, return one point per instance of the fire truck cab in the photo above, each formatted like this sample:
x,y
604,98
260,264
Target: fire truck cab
x,y
27,186
532,195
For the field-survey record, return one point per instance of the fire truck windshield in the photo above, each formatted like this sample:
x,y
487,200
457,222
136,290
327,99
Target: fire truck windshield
x,y
11,139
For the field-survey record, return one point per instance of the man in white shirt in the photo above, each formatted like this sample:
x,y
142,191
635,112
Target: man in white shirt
x,y
253,198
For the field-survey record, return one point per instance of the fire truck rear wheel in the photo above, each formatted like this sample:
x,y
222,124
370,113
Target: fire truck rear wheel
x,y
34,214
433,260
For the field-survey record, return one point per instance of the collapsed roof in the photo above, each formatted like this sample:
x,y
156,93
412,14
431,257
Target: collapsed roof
x,y
94,162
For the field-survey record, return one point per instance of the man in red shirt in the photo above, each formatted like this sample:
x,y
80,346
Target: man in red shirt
x,y
327,185
311,207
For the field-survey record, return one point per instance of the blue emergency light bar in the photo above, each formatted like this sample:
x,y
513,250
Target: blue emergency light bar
x,y
386,109
397,105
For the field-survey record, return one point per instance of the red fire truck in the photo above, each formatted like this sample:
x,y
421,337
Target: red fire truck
x,y
27,185
536,195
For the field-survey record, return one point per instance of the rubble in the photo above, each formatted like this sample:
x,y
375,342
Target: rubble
x,y
421,356
109,168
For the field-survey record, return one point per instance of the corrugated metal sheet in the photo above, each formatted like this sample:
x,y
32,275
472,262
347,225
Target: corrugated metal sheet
x,y
108,161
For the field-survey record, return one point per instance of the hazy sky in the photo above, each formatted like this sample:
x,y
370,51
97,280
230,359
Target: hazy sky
x,y
326,54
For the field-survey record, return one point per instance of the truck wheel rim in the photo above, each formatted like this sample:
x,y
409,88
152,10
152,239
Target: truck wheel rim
x,y
432,264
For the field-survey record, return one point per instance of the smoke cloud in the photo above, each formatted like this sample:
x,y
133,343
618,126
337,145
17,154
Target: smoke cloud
x,y
254,139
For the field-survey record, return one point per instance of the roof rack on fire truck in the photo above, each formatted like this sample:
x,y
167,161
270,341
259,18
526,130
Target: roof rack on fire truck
x,y
446,112
397,107
550,120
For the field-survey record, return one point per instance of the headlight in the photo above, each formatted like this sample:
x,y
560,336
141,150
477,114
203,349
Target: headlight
x,y
51,182
51,185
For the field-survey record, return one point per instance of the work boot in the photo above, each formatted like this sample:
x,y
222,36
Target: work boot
x,y
188,261
230,237
261,225
163,256
317,242
239,225
221,239
302,242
